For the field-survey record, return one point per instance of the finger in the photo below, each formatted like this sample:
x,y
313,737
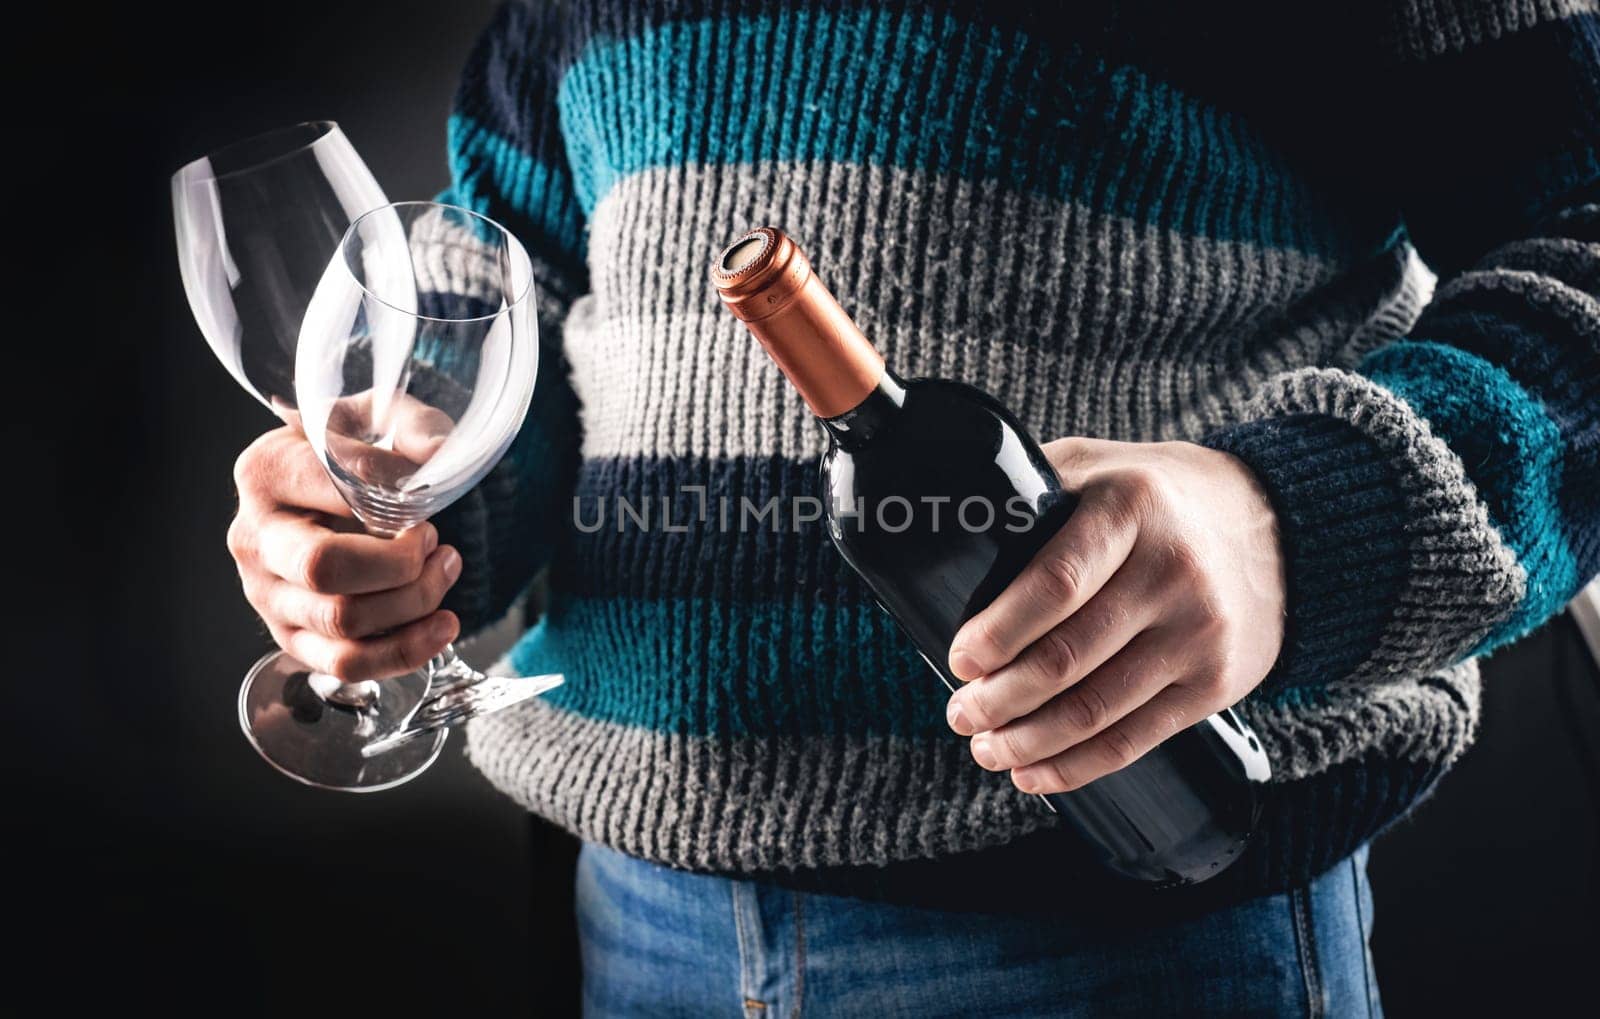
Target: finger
x,y
354,616
281,635
1142,730
1059,658
1096,539
373,465
394,654
1130,679
297,549
419,429
415,432
257,585
281,469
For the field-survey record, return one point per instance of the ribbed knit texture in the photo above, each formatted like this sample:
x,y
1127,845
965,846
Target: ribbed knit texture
x,y
1342,513
1138,221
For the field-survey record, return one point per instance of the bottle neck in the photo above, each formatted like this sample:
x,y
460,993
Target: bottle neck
x,y
765,280
872,417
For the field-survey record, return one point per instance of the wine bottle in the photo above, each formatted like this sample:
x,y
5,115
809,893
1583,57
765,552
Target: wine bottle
x,y
938,497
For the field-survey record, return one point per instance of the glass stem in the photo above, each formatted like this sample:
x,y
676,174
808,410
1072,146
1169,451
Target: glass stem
x,y
355,696
447,672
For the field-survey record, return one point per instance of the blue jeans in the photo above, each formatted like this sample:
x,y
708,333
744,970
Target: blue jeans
x,y
662,942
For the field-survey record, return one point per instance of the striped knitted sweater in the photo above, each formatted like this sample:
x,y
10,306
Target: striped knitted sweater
x,y
1134,221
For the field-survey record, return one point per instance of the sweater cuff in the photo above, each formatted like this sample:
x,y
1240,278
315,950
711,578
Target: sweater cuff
x,y
1342,519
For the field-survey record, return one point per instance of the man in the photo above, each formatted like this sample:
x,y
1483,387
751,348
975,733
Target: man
x,y
1184,244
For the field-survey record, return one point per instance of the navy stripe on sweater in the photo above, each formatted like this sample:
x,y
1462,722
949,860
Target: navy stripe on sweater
x,y
507,156
1511,131
1341,518
653,527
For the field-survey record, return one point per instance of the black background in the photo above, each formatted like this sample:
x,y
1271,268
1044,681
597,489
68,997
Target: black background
x,y
155,858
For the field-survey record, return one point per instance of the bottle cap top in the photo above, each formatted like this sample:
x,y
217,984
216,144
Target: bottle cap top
x,y
759,274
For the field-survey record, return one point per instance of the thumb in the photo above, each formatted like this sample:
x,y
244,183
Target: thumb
x,y
420,429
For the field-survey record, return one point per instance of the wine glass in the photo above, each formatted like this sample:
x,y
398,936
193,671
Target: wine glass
x,y
257,224
414,370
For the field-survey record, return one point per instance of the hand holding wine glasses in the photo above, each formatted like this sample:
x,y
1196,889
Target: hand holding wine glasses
x,y
415,368
405,346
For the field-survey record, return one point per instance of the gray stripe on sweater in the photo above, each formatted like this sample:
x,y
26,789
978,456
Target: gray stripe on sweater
x,y
1432,718
767,803
753,803
1125,330
1428,28
1580,310
1559,259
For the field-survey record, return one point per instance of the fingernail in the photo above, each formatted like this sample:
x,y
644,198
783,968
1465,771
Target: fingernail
x,y
957,717
430,539
1025,780
983,750
444,628
963,664
452,564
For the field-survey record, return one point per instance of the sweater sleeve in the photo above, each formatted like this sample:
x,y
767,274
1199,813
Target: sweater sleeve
x,y
507,161
1442,498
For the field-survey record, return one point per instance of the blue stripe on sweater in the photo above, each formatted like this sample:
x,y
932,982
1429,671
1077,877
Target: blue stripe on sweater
x,y
494,178
916,90
1545,347
1512,452
1552,354
706,667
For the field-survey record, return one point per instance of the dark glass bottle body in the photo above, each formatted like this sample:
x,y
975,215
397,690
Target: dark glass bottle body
x,y
938,498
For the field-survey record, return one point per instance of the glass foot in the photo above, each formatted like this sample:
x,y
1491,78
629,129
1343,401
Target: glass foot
x,y
319,741
460,694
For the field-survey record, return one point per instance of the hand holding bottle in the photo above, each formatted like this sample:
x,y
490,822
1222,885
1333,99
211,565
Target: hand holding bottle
x,y
1166,579
1159,602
